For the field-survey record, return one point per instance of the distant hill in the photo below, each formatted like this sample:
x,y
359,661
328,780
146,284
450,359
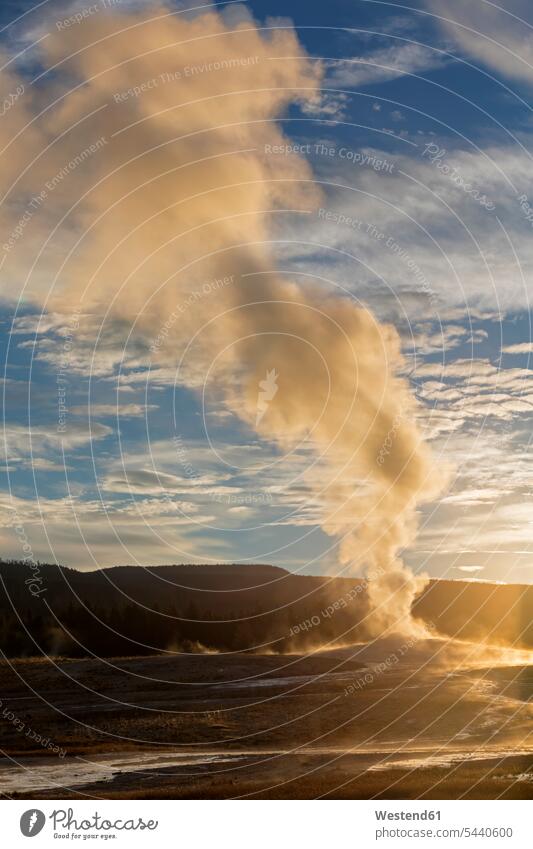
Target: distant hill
x,y
181,583
479,611
128,610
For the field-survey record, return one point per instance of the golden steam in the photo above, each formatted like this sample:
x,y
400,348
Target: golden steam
x,y
149,141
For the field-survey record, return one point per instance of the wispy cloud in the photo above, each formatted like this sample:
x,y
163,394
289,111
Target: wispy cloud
x,y
385,63
519,348
499,37
125,411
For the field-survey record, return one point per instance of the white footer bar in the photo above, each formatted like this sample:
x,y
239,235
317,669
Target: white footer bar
x,y
254,824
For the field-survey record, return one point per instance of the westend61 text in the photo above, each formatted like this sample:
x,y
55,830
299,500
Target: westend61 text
x,y
407,815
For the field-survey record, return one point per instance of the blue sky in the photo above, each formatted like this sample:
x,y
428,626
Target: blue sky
x,y
421,143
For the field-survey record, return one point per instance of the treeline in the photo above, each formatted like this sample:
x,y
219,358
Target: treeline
x,y
127,610
116,626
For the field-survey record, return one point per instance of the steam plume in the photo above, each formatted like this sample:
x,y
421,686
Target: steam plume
x,y
151,144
